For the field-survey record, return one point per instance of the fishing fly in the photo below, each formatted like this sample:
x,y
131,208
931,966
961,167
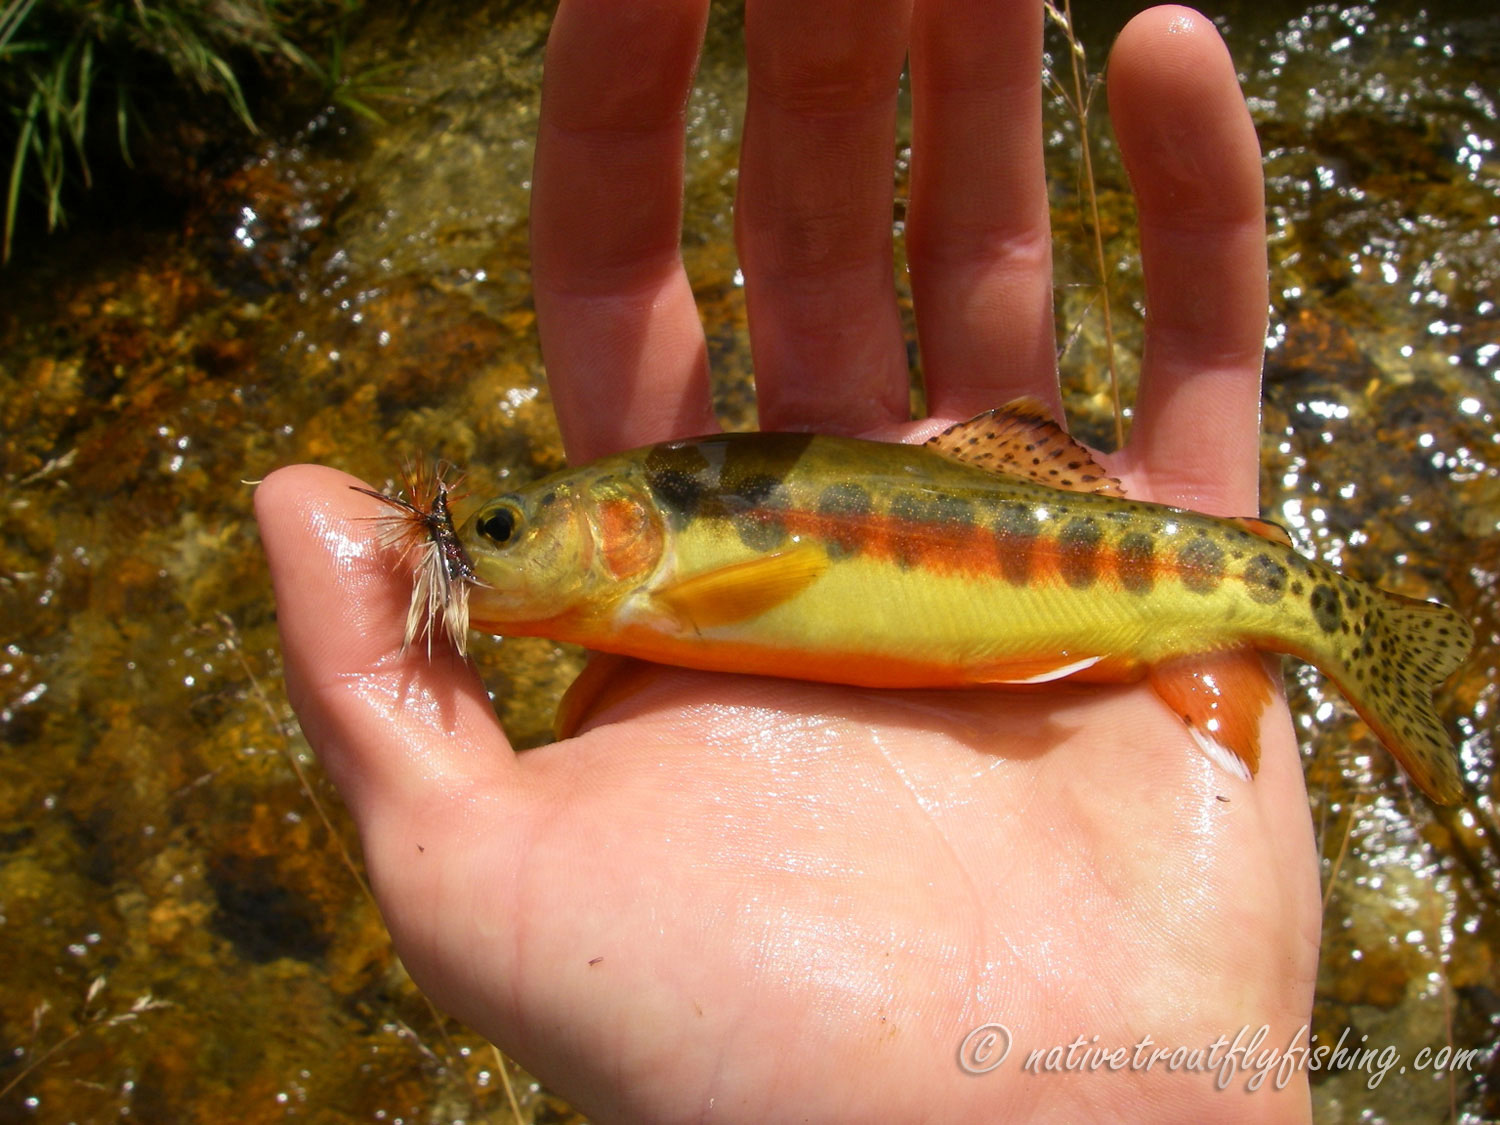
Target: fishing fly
x,y
421,533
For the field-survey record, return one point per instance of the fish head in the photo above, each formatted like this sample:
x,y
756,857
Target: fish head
x,y
565,547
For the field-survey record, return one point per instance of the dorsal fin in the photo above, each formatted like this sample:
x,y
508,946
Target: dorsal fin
x,y
1020,438
1264,528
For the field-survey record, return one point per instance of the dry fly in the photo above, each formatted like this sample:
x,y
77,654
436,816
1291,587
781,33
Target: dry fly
x,y
421,532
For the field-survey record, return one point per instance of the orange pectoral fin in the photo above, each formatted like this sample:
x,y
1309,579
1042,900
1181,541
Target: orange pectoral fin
x,y
1220,696
742,590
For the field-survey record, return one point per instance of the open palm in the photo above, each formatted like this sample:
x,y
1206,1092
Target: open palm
x,y
749,899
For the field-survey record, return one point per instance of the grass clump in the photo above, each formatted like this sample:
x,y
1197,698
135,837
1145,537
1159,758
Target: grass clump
x,y
79,78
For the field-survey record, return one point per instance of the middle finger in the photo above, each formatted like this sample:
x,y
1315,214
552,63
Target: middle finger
x,y
813,219
978,234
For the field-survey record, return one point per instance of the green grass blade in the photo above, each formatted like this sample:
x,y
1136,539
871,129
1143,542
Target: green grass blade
x,y
123,114
232,90
78,113
17,165
11,18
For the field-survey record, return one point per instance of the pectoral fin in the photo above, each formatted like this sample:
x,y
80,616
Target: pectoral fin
x,y
742,590
1221,697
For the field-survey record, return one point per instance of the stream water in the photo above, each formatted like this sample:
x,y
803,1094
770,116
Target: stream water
x,y
356,293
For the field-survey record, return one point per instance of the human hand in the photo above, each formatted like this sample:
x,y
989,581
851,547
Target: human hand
x,y
751,898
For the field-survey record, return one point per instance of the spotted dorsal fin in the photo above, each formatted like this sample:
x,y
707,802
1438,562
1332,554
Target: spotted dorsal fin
x,y
1021,439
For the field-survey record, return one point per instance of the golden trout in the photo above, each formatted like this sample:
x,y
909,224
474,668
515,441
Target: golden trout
x,y
997,554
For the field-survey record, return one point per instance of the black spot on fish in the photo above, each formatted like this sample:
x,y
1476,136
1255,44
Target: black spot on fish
x,y
1078,558
1265,578
1202,564
846,503
1325,608
1133,558
1016,531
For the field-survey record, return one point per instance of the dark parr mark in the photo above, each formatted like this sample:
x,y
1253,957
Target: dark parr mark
x,y
846,503
925,526
679,476
909,507
1202,564
757,489
757,465
916,507
758,502
908,512
721,477
1133,559
954,511
1016,531
1325,608
1078,551
1265,579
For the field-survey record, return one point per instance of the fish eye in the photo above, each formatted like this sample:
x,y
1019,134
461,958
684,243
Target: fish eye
x,y
500,526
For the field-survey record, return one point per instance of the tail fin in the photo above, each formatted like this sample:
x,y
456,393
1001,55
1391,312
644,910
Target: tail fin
x,y
1407,650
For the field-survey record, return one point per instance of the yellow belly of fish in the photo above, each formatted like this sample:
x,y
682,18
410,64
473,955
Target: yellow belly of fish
x,y
877,625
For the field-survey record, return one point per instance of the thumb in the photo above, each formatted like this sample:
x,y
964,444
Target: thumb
x,y
393,729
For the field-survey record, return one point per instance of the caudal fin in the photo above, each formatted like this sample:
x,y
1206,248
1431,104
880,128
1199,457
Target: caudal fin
x,y
1408,648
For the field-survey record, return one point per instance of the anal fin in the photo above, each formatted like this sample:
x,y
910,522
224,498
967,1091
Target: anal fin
x,y
1043,670
1221,697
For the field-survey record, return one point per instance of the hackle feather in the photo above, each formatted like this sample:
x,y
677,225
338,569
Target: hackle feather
x,y
421,533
